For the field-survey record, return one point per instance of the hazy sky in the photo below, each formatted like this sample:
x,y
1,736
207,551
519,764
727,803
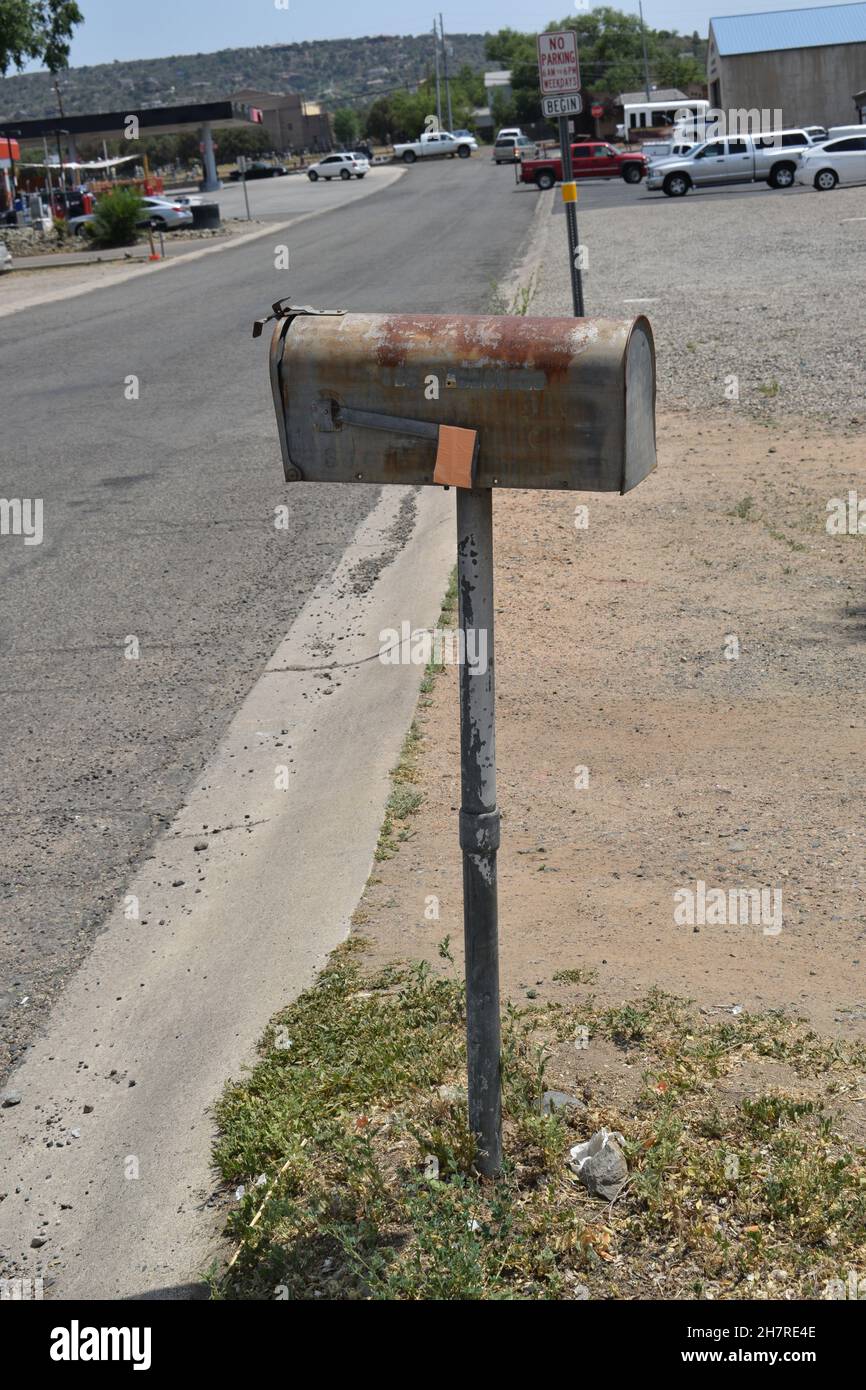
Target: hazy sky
x,y
156,28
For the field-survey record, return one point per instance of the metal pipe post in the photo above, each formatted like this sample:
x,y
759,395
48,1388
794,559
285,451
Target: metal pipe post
x,y
479,820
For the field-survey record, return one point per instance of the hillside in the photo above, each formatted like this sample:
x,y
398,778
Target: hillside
x,y
335,71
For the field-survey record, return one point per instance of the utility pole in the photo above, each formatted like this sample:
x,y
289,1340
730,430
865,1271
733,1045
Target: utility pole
x,y
445,69
643,45
438,90
58,133
48,176
59,97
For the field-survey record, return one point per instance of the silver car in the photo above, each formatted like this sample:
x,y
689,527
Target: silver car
x,y
510,149
161,213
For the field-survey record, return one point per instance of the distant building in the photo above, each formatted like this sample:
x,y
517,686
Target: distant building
x,y
498,82
807,63
482,116
672,95
292,123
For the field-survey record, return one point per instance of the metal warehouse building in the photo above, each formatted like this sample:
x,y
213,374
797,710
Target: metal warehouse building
x,y
807,63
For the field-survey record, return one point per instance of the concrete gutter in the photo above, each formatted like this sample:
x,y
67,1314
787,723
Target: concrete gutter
x,y
107,1155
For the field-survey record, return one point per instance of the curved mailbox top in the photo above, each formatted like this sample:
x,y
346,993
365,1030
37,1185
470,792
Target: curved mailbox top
x,y
556,403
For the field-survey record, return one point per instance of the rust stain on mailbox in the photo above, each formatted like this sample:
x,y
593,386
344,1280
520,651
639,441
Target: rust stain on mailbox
x,y
556,403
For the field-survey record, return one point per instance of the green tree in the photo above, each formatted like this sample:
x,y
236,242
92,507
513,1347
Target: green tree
x,y
37,29
346,125
379,121
611,57
116,218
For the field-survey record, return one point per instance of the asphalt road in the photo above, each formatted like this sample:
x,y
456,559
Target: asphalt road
x,y
158,531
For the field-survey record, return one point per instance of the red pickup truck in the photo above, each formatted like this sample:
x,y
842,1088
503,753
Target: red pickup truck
x,y
591,160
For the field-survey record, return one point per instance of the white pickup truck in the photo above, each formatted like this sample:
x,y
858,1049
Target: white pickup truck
x,y
436,142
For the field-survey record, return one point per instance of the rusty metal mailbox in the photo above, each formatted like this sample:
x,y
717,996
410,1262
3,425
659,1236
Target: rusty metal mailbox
x,y
555,402
477,402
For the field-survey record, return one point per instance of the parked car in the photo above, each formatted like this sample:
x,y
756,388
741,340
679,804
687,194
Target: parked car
x,y
837,131
258,170
508,130
772,157
834,161
160,213
464,135
510,149
591,160
436,143
339,166
817,133
5,257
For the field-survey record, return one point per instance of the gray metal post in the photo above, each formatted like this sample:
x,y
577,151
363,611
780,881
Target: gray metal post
x,y
571,219
211,181
438,90
479,820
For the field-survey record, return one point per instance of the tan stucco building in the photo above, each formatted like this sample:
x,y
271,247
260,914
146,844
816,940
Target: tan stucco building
x,y
292,123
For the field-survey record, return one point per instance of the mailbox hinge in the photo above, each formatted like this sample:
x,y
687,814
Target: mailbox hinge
x,y
282,309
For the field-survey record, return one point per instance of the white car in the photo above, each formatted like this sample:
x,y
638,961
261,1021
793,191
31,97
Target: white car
x,y
5,257
513,130
510,149
836,161
339,166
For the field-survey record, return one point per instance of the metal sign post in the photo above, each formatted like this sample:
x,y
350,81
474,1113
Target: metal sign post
x,y
479,823
569,196
559,80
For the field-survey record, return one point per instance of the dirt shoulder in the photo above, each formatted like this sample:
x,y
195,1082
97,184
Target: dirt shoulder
x,y
611,655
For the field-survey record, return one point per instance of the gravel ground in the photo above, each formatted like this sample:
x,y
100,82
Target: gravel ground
x,y
766,287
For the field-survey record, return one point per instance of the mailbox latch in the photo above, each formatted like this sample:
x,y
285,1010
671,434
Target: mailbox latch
x,y
282,309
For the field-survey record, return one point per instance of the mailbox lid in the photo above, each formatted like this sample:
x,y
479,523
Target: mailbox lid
x,y
556,402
